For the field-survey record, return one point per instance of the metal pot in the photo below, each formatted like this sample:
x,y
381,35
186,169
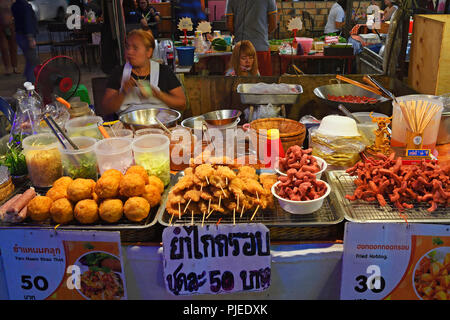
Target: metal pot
x,y
444,127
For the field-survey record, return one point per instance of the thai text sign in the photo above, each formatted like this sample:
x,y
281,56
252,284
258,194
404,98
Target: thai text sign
x,y
63,265
216,259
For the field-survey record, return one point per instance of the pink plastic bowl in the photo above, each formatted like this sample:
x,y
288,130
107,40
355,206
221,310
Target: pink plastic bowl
x,y
306,44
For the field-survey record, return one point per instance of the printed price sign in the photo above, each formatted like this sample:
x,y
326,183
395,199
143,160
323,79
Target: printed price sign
x,y
396,262
216,259
62,265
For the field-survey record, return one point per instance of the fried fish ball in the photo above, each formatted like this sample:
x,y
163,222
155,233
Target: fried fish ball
x,y
79,189
154,180
39,208
136,209
86,211
132,185
152,195
140,170
61,211
111,210
113,172
95,197
107,187
56,193
62,182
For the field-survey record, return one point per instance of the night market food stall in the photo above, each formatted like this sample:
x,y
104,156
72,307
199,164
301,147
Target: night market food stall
x,y
253,209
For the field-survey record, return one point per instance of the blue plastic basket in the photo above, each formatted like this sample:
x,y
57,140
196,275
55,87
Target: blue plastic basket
x,y
185,56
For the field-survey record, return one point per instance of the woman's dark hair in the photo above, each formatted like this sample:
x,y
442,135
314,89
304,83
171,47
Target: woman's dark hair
x,y
343,4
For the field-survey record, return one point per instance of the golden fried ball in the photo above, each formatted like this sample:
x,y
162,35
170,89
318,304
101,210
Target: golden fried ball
x,y
156,182
79,189
140,171
132,185
39,208
113,172
111,210
86,211
152,195
136,209
61,211
56,193
62,182
95,197
107,187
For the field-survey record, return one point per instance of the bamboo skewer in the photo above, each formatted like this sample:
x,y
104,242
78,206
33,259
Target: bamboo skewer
x,y
192,217
234,216
209,214
187,205
223,191
242,211
237,205
203,220
207,181
179,210
209,205
170,221
254,213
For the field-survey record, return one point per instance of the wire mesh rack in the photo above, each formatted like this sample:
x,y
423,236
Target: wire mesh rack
x,y
367,212
277,217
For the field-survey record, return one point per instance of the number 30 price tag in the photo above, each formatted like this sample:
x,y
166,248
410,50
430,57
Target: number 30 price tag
x,y
395,261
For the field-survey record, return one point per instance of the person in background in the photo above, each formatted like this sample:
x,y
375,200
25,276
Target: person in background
x,y
8,43
189,9
149,16
389,10
95,6
130,12
26,31
336,17
244,61
253,20
147,83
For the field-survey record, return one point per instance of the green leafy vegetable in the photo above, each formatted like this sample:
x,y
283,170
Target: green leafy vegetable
x,y
15,160
80,166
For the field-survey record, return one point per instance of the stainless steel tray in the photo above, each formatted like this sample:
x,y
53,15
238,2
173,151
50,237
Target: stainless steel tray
x,y
122,224
326,216
366,212
275,99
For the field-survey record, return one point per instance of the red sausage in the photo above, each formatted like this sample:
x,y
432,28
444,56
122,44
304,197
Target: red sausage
x,y
22,201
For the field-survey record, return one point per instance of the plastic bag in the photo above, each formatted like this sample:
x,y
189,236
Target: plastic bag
x,y
336,150
271,88
263,111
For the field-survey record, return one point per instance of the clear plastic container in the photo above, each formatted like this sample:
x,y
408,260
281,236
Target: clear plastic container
x,y
43,159
80,109
152,152
399,126
81,163
143,132
114,153
86,126
120,133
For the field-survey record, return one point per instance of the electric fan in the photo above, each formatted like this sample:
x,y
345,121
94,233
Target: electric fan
x,y
57,77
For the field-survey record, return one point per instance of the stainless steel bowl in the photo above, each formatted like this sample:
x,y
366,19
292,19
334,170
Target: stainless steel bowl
x,y
145,118
221,117
195,123
347,89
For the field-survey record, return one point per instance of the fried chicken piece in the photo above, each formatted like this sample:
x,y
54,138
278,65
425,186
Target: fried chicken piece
x,y
193,195
203,172
175,198
184,183
224,171
247,172
254,187
237,187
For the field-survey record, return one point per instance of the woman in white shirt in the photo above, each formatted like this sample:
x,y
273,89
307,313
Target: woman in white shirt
x,y
336,17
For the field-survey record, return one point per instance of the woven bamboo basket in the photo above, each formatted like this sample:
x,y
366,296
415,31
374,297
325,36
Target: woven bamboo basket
x,y
291,132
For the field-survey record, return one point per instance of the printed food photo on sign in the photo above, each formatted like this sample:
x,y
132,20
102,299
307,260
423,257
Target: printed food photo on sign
x,y
101,277
431,275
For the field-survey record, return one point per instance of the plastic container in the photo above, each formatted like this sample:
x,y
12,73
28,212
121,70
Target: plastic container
x,y
80,109
120,133
306,43
86,126
181,148
185,56
152,152
301,207
322,164
399,131
81,163
43,159
114,153
143,132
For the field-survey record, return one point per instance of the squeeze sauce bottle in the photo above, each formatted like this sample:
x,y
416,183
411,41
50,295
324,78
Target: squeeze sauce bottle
x,y
274,149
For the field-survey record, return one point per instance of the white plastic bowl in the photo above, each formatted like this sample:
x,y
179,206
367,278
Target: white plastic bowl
x,y
301,207
322,163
